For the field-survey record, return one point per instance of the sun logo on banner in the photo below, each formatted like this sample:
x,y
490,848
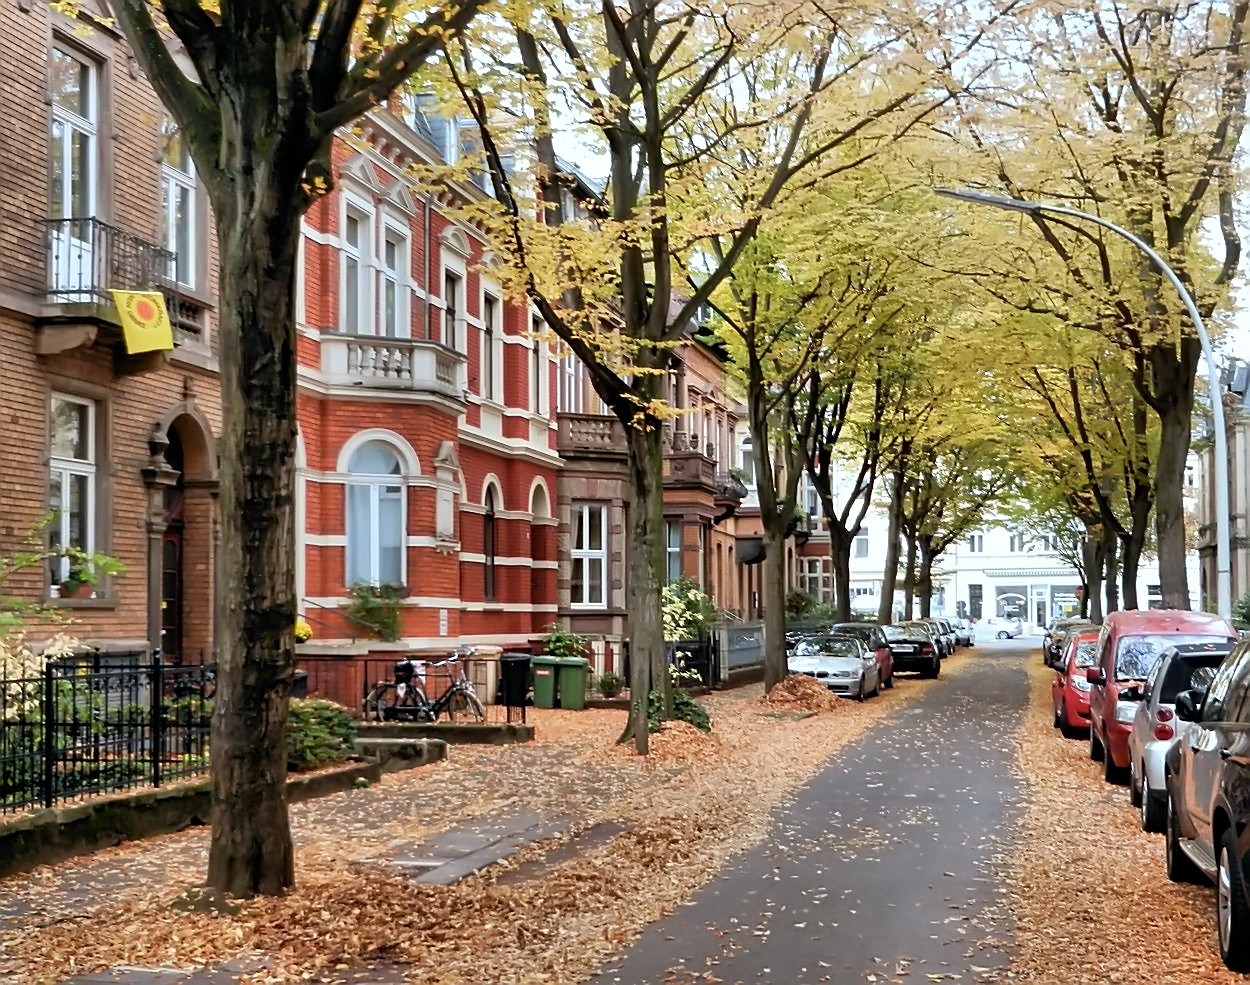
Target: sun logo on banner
x,y
145,320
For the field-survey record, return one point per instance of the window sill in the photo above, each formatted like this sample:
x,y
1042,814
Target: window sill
x,y
101,602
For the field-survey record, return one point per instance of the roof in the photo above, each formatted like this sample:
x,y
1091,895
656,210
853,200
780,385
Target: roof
x,y
1167,621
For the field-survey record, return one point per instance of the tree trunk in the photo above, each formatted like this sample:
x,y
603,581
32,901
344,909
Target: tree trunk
x,y
924,581
909,580
889,573
840,558
1110,557
648,662
1169,489
251,851
774,605
1091,604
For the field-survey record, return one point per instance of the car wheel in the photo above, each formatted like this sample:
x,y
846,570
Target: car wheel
x,y
1153,807
1003,635
1058,721
1180,867
861,695
1096,751
1110,772
1134,784
1232,913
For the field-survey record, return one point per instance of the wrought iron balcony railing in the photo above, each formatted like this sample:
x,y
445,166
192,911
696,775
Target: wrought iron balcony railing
x,y
87,258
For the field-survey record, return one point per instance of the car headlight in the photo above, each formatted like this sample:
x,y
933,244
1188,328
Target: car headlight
x,y
1080,683
1125,711
843,673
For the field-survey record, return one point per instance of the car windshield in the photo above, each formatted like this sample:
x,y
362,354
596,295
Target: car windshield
x,y
1188,671
1136,656
864,631
1087,654
915,633
815,646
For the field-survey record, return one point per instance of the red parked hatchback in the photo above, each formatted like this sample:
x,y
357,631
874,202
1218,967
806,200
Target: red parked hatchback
x,y
1069,691
1128,648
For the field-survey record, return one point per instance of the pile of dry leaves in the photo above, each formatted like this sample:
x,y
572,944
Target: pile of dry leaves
x,y
799,692
678,741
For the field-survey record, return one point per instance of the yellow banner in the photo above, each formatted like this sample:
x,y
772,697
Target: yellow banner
x,y
145,320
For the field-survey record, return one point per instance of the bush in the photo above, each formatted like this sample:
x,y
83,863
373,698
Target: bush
x,y
798,603
318,732
561,642
1241,612
685,709
610,685
688,611
376,608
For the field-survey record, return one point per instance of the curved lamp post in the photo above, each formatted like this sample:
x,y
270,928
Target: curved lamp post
x,y
1223,571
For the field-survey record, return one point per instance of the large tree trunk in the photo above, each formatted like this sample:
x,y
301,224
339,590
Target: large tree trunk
x,y
774,605
889,573
1091,604
909,580
1111,567
251,851
924,580
840,558
648,662
1174,434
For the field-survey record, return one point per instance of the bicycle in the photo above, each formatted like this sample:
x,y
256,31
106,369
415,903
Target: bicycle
x,y
404,699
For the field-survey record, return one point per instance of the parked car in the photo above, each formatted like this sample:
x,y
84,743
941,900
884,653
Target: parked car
x,y
843,664
874,639
913,648
1208,808
1054,643
1156,728
1000,628
965,632
948,632
1069,691
944,644
1128,648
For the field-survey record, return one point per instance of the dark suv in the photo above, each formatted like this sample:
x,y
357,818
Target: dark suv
x,y
1208,813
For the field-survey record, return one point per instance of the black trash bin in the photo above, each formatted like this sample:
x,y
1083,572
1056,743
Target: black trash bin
x,y
515,683
299,686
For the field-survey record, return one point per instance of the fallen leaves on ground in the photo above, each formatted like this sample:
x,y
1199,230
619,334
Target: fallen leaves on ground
x,y
798,692
687,809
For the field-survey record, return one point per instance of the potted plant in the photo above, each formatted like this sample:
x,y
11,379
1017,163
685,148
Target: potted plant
x,y
611,685
561,642
84,571
303,631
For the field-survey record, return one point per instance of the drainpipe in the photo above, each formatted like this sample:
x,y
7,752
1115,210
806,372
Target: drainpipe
x,y
425,248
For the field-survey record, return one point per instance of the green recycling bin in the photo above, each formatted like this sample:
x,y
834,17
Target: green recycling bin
x,y
545,670
573,682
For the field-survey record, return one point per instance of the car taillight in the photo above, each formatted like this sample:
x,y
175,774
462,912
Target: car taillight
x,y
1164,714
926,648
1163,731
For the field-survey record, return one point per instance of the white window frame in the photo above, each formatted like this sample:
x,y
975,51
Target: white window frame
x,y
1017,544
67,469
377,491
88,126
491,353
746,461
860,546
538,370
397,279
453,308
585,554
174,182
361,253
672,550
976,543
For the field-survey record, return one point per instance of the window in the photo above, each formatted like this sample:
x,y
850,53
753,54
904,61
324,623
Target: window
x,y
71,479
451,310
392,313
178,206
375,517
746,462
672,549
355,267
490,334
816,578
976,543
538,370
1018,544
589,555
488,548
861,545
72,170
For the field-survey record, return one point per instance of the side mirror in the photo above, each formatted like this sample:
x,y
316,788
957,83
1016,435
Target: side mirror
x,y
1189,704
1095,675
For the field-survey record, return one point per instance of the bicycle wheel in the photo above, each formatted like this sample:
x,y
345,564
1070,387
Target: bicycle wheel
x,y
465,705
380,704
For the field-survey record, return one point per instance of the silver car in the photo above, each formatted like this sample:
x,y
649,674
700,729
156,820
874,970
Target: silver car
x,y
841,663
1155,725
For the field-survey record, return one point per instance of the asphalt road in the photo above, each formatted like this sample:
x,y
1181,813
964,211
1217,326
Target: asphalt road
x,y
883,867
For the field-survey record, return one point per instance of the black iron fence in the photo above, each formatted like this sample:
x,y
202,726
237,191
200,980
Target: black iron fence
x,y
101,723
87,257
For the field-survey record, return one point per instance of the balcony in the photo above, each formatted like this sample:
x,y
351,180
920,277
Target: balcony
x,y
590,435
391,364
87,258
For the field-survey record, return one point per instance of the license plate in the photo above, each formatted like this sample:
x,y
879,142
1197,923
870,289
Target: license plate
x,y
904,649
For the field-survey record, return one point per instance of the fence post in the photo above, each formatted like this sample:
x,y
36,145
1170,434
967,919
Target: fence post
x,y
157,719
49,734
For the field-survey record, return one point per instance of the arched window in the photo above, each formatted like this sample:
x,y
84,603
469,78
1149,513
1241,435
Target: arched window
x,y
375,517
488,547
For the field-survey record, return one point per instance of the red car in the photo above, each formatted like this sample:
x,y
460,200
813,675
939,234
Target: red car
x,y
1128,649
1069,691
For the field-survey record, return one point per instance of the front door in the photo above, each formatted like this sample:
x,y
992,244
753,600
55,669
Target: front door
x,y
171,593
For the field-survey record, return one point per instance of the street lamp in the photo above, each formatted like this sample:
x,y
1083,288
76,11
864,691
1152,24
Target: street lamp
x,y
1223,570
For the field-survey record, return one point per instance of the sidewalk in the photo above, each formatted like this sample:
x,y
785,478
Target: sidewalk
x,y
598,843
